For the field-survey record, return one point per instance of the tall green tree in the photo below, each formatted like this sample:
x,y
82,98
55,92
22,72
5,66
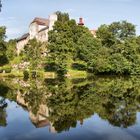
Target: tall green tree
x,y
33,53
119,52
3,57
11,49
117,31
68,42
61,44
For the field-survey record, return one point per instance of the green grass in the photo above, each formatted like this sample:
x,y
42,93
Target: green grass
x,y
76,74
49,75
12,74
71,74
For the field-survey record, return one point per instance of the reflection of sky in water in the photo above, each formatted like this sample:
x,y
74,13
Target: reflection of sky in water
x,y
19,127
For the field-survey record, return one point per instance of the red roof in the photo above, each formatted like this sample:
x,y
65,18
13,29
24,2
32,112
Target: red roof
x,y
43,29
41,21
23,37
42,123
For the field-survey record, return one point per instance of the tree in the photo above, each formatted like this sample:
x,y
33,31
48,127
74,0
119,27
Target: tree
x,y
122,30
11,49
106,36
33,53
119,52
64,43
3,48
61,44
0,5
115,32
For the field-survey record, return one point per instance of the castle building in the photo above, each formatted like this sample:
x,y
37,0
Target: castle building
x,y
38,29
41,118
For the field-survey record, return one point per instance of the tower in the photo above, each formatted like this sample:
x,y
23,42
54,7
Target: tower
x,y
52,20
81,21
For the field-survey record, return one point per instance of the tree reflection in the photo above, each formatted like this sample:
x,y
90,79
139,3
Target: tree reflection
x,y
3,91
113,99
61,103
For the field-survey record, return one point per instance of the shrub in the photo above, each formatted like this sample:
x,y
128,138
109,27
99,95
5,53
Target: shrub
x,y
3,60
79,66
7,69
1,70
40,74
33,74
50,67
26,74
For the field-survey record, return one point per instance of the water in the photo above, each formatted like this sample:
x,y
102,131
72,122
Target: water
x,y
98,108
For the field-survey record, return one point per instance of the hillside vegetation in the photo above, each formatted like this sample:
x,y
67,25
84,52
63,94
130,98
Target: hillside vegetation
x,y
114,50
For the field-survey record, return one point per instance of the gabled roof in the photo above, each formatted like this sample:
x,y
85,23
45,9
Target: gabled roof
x,y
42,123
23,37
43,29
41,21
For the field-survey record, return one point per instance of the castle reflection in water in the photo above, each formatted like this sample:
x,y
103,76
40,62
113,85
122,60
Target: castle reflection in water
x,y
61,104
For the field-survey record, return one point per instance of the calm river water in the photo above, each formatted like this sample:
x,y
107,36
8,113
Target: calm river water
x,y
97,108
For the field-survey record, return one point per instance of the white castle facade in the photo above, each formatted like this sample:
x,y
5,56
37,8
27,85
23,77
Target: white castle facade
x,y
38,29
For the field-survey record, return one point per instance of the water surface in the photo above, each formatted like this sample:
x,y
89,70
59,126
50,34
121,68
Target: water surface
x,y
98,108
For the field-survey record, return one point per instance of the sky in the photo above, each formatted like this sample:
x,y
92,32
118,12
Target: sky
x,y
16,15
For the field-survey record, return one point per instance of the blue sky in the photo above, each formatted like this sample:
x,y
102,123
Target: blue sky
x,y
17,14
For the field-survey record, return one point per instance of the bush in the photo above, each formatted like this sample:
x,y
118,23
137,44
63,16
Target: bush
x,y
3,60
79,66
33,74
50,67
7,69
1,70
26,74
40,74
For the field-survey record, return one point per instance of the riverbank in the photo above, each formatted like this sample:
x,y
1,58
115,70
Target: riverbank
x,y
12,74
70,74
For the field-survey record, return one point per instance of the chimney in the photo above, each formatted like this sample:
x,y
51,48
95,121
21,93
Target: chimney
x,y
81,22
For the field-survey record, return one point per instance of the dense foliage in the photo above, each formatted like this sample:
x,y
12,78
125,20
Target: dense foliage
x,y
7,49
3,48
11,49
119,51
32,52
115,50
114,99
63,42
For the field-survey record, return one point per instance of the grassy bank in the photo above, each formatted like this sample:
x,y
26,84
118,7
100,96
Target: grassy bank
x,y
50,75
76,74
12,74
71,74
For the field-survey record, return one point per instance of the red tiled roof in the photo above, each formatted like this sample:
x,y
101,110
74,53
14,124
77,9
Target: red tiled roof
x,y
23,37
42,123
41,21
43,29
